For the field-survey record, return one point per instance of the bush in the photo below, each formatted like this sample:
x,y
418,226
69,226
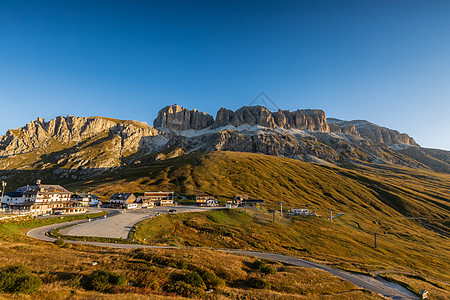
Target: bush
x,y
263,267
103,280
268,270
212,280
59,242
18,279
194,279
258,264
257,283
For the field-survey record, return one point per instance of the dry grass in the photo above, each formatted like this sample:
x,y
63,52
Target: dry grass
x,y
61,267
338,244
437,289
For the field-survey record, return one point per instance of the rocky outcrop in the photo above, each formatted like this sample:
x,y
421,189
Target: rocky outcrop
x,y
307,119
438,160
69,130
370,131
175,117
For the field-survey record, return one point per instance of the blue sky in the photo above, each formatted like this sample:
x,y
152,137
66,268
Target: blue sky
x,y
383,61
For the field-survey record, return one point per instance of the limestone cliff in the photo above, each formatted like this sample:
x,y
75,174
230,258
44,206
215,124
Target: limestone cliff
x,y
306,119
175,117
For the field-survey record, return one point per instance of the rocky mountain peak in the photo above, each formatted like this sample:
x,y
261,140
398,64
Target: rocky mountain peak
x,y
67,130
175,117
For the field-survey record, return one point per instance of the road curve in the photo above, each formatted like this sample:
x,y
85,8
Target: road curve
x,y
381,287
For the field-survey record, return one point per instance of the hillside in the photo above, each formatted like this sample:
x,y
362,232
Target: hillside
x,y
366,189
412,206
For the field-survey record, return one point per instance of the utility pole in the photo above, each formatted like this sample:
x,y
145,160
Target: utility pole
x,y
281,207
274,215
331,215
375,233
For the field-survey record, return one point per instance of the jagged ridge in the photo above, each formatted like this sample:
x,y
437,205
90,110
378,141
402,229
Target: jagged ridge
x,y
82,147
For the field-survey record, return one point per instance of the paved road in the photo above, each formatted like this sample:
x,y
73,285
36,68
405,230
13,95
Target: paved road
x,y
379,286
120,225
382,287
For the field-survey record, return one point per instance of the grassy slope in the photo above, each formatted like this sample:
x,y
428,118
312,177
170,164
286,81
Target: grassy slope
x,y
61,268
362,193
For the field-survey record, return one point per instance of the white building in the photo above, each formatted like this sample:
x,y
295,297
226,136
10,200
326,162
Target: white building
x,y
300,211
41,199
10,198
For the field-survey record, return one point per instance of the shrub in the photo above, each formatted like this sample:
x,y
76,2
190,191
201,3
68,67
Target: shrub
x,y
59,242
18,279
194,279
257,283
263,267
212,280
103,280
268,270
258,264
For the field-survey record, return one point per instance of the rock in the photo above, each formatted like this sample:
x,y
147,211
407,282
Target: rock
x,y
370,131
259,115
174,153
175,117
224,117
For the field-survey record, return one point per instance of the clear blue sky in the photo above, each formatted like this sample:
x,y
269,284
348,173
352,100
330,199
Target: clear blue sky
x,y
383,61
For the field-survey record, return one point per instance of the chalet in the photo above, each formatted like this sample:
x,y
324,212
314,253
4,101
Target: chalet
x,y
41,199
237,199
45,194
121,200
146,201
206,199
86,199
160,198
73,207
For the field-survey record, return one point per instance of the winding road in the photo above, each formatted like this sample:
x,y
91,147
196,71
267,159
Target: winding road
x,y
379,286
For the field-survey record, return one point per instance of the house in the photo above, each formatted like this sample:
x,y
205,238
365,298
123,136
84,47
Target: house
x,y
300,211
11,198
145,201
41,199
73,207
45,194
86,199
133,205
237,199
206,199
121,200
160,198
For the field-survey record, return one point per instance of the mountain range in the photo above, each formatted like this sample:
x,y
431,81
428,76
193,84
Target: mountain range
x,y
82,147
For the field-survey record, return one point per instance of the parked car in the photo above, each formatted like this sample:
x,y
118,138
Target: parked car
x,y
172,210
